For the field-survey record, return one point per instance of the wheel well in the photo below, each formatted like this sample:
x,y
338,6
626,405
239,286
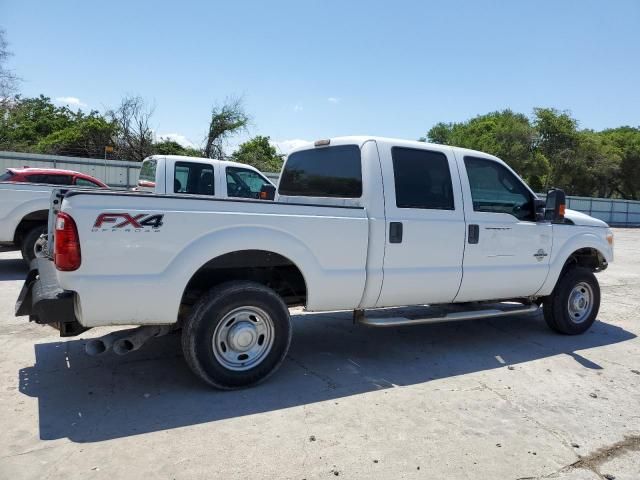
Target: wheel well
x,y
33,219
270,269
588,258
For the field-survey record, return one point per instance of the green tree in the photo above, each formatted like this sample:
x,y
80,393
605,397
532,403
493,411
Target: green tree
x,y
170,147
26,121
8,80
87,136
626,142
226,120
557,139
505,134
259,153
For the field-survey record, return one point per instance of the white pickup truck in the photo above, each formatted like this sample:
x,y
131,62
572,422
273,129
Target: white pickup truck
x,y
24,207
358,223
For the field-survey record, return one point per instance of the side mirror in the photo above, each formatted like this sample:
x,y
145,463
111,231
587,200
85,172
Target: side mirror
x,y
555,206
267,192
539,208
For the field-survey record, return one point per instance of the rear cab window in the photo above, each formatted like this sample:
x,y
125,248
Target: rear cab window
x,y
323,172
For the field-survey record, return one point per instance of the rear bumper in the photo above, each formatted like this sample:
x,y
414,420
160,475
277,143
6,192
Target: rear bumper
x,y
45,302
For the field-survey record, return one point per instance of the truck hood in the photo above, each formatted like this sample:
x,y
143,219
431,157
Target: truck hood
x,y
582,219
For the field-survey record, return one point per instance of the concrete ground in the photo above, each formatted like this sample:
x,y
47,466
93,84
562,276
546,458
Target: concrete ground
x,y
500,399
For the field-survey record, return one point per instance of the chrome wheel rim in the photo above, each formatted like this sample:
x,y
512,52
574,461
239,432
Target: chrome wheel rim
x,y
580,303
243,338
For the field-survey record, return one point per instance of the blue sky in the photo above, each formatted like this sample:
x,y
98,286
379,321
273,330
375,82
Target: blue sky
x,y
313,69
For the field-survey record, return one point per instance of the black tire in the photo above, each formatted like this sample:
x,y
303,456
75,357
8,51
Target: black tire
x,y
205,320
558,313
29,241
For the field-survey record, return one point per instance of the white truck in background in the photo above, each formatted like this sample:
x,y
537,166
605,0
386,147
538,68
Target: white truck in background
x,y
24,207
358,223
180,175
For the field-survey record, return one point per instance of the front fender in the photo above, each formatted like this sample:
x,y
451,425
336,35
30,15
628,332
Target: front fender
x,y
566,248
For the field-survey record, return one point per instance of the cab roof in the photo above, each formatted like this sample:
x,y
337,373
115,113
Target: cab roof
x,y
361,139
185,158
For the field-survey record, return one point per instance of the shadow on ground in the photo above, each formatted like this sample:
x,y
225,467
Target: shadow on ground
x,y
88,399
12,269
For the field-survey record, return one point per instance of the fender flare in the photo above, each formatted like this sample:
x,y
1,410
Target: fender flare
x,y
228,240
559,259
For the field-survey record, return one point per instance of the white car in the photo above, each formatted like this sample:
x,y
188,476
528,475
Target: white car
x,y
358,223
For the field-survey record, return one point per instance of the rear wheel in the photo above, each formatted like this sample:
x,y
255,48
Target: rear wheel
x,y
31,246
573,305
237,335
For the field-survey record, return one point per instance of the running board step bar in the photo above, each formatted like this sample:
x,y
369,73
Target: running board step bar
x,y
449,317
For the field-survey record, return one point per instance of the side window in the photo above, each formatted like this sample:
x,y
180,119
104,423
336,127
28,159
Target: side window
x,y
495,189
422,179
323,172
244,183
83,182
50,179
193,178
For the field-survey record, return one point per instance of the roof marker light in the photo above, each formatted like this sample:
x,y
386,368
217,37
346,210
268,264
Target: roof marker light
x,y
322,143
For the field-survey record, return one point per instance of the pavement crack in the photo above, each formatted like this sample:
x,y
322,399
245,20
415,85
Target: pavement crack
x,y
327,380
594,460
526,415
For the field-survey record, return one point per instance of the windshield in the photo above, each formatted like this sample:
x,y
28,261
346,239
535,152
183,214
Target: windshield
x,y
148,170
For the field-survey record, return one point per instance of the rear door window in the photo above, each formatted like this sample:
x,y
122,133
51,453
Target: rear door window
x,y
83,182
193,178
422,179
323,172
50,179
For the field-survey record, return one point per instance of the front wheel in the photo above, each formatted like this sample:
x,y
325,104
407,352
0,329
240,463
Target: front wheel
x,y
573,305
237,335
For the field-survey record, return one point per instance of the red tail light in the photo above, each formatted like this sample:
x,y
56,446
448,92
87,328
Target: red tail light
x,y
66,250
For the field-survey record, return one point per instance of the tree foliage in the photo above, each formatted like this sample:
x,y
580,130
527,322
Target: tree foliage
x,y
171,147
226,120
134,137
259,153
8,80
37,125
549,150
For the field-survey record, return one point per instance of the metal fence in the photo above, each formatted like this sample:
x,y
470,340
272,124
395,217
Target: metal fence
x,y
617,213
115,173
123,174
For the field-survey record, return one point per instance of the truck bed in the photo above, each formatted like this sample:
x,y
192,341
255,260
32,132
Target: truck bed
x,y
133,273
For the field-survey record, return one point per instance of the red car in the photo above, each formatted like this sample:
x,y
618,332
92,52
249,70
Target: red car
x,y
52,176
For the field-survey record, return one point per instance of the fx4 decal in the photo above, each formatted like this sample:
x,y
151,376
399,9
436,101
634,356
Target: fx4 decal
x,y
138,222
